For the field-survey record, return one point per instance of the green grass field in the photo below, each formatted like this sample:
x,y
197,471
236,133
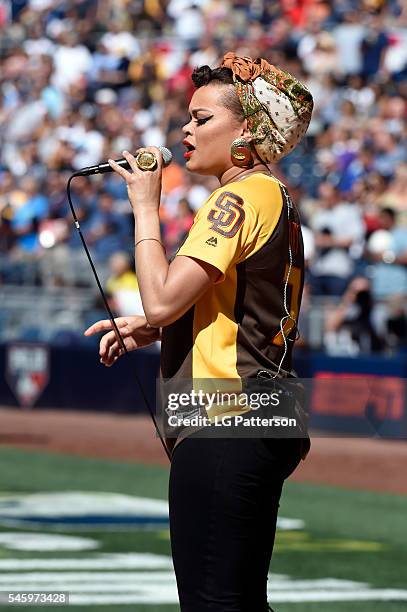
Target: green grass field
x,y
348,538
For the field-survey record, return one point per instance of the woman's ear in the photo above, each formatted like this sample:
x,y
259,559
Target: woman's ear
x,y
247,136
245,133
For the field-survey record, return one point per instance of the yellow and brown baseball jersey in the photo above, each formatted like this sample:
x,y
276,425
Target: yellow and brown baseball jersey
x,y
250,231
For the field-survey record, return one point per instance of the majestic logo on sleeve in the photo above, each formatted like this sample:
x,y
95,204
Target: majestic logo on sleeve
x,y
227,215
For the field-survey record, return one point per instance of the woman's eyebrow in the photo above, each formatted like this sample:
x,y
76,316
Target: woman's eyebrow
x,y
196,110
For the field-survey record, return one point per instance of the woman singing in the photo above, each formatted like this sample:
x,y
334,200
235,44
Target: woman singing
x,y
225,309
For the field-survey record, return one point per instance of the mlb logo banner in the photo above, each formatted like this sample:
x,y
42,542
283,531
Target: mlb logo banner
x,y
27,371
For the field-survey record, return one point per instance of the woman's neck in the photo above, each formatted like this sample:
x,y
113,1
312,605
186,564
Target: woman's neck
x,y
235,174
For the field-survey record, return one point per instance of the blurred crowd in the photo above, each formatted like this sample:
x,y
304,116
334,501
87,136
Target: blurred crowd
x,y
82,80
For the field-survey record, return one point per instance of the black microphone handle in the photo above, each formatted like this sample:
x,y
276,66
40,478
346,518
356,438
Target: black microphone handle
x,y
103,168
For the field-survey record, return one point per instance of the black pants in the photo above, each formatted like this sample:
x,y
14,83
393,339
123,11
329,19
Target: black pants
x,y
224,496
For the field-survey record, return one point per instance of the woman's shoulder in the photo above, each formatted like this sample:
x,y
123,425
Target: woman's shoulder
x,y
258,190
251,185
258,194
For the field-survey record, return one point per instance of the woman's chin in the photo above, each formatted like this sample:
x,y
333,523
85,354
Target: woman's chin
x,y
193,165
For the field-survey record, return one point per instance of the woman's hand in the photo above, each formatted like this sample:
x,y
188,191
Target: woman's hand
x,y
134,330
143,186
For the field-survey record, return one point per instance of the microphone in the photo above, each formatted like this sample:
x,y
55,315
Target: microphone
x,y
105,167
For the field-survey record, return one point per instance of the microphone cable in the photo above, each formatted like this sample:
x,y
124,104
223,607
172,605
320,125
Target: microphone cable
x,y
109,312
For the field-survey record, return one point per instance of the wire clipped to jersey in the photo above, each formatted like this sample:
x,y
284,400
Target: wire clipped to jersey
x,y
287,316
109,312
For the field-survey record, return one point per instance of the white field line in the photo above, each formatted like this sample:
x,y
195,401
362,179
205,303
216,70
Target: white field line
x,y
362,595
151,598
107,561
274,597
163,589
48,542
135,579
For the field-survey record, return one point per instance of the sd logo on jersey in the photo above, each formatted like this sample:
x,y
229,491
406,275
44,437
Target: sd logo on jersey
x,y
228,214
27,371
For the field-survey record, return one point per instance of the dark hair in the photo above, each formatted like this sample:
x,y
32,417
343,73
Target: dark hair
x,y
390,212
205,75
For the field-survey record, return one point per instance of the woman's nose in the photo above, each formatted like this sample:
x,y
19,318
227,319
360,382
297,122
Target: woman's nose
x,y
187,128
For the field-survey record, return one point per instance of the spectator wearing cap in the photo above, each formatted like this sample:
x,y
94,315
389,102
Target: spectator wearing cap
x,y
389,263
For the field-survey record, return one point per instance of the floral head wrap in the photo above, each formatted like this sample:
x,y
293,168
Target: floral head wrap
x,y
276,105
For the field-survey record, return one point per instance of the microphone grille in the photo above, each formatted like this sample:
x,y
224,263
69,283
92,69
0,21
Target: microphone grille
x,y
167,155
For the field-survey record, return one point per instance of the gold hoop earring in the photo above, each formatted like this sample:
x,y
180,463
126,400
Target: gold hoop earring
x,y
241,153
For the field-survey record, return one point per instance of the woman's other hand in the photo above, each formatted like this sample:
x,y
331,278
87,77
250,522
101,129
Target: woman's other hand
x,y
134,330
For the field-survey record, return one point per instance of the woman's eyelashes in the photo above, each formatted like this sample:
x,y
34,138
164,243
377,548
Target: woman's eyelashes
x,y
203,120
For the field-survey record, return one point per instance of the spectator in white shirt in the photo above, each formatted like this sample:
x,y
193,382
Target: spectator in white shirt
x,y
339,233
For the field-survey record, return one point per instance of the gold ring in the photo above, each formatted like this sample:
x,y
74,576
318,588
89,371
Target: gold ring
x,y
146,160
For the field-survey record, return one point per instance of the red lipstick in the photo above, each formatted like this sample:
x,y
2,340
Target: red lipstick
x,y
190,148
